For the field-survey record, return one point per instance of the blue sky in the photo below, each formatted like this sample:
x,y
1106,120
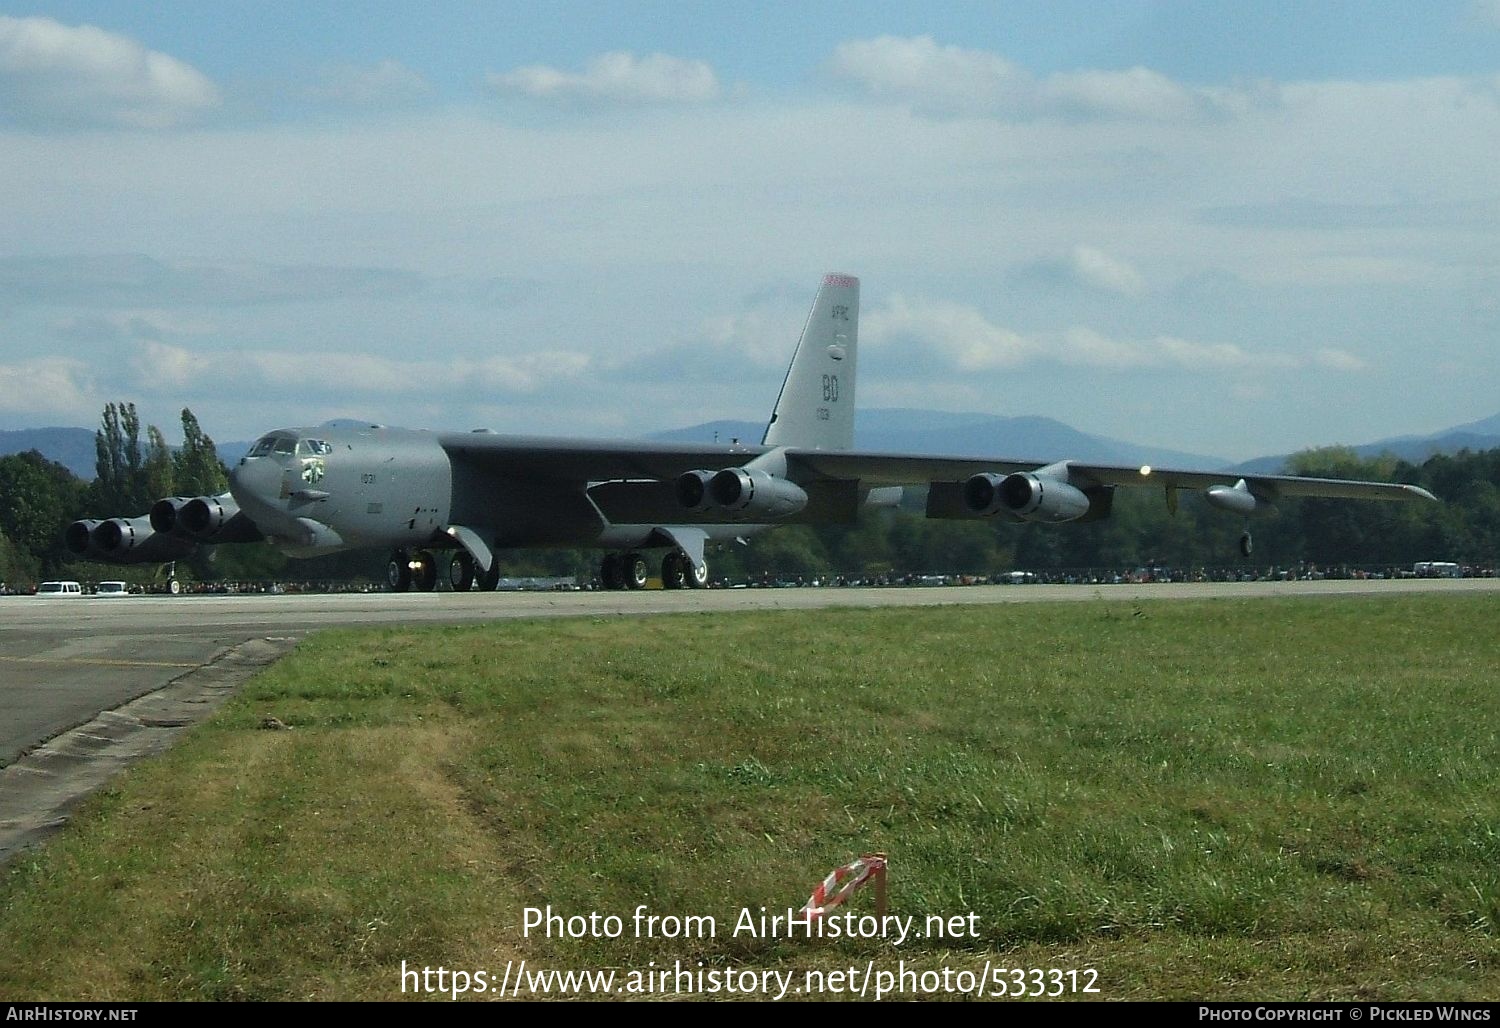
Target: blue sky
x,y
1225,227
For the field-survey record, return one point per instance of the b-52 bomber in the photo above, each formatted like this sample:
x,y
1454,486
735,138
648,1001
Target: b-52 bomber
x,y
467,495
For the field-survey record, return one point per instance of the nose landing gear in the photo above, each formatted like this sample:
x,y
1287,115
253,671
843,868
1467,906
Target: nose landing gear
x,y
406,571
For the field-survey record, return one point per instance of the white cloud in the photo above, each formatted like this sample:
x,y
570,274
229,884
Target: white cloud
x,y
948,336
953,80
1338,360
958,332
1097,268
1189,354
618,77
159,366
59,75
920,69
1084,347
1136,93
759,334
60,386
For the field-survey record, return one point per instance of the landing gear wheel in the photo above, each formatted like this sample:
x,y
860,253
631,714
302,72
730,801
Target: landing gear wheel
x,y
1246,545
489,580
398,571
611,575
673,571
697,574
461,572
424,573
636,571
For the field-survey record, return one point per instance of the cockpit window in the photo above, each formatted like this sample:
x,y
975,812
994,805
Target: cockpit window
x,y
314,448
263,447
285,444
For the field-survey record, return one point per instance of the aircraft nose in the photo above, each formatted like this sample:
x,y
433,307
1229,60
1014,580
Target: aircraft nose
x,y
256,483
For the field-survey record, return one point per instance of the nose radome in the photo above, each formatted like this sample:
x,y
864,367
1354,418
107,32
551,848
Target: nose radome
x,y
256,483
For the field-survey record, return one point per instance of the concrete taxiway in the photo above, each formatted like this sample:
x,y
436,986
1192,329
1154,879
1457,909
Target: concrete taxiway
x,y
88,684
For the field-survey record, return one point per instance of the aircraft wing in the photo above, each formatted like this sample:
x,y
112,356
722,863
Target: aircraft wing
x,y
879,469
593,460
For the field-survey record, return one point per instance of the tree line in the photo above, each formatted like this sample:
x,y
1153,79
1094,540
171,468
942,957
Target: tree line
x,y
135,467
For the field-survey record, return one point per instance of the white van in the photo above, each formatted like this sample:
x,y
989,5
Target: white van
x,y
112,589
51,589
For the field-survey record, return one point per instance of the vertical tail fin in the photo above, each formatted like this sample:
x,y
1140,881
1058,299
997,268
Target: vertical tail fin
x,y
816,407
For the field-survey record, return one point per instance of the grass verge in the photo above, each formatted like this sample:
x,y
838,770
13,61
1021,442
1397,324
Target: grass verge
x,y
1273,799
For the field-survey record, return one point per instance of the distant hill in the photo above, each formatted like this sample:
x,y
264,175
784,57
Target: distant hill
x,y
902,430
73,448
1477,435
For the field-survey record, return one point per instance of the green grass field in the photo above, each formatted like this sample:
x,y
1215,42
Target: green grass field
x,y
1273,799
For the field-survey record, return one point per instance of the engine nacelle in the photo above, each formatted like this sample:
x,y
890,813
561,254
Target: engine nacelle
x,y
755,493
216,519
116,537
166,511
692,490
79,538
1025,495
123,541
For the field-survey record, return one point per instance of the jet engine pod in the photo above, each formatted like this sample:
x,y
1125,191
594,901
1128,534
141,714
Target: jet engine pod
x,y
217,519
118,536
692,490
203,517
754,493
164,512
79,537
1026,495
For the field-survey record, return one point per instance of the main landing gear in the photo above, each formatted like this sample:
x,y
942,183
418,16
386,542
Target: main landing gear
x,y
678,571
418,571
630,571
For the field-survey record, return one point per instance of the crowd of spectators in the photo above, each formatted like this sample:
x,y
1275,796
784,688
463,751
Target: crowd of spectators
x,y
1057,576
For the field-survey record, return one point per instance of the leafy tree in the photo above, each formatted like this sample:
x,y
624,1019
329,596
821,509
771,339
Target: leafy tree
x,y
198,471
157,472
37,497
120,487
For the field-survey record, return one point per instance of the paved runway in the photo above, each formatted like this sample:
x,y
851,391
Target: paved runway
x,y
79,661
